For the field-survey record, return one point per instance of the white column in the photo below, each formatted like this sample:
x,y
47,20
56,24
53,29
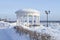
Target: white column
x,y
32,19
36,20
19,20
27,19
22,19
18,23
39,19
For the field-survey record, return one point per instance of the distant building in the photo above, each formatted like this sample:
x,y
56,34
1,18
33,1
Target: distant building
x,y
28,17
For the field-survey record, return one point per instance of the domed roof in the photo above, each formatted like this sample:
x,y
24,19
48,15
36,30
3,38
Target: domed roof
x,y
28,12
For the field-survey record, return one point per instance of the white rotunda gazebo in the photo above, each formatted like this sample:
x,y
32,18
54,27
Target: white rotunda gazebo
x,y
28,17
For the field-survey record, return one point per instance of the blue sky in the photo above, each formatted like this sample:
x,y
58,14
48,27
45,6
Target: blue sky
x,y
8,8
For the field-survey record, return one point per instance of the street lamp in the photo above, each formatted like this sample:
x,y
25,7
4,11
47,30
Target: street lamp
x,y
47,12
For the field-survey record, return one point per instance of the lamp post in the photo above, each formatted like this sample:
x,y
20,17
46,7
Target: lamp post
x,y
47,12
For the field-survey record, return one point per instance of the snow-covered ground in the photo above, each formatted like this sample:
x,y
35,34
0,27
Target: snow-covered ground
x,y
10,34
7,32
